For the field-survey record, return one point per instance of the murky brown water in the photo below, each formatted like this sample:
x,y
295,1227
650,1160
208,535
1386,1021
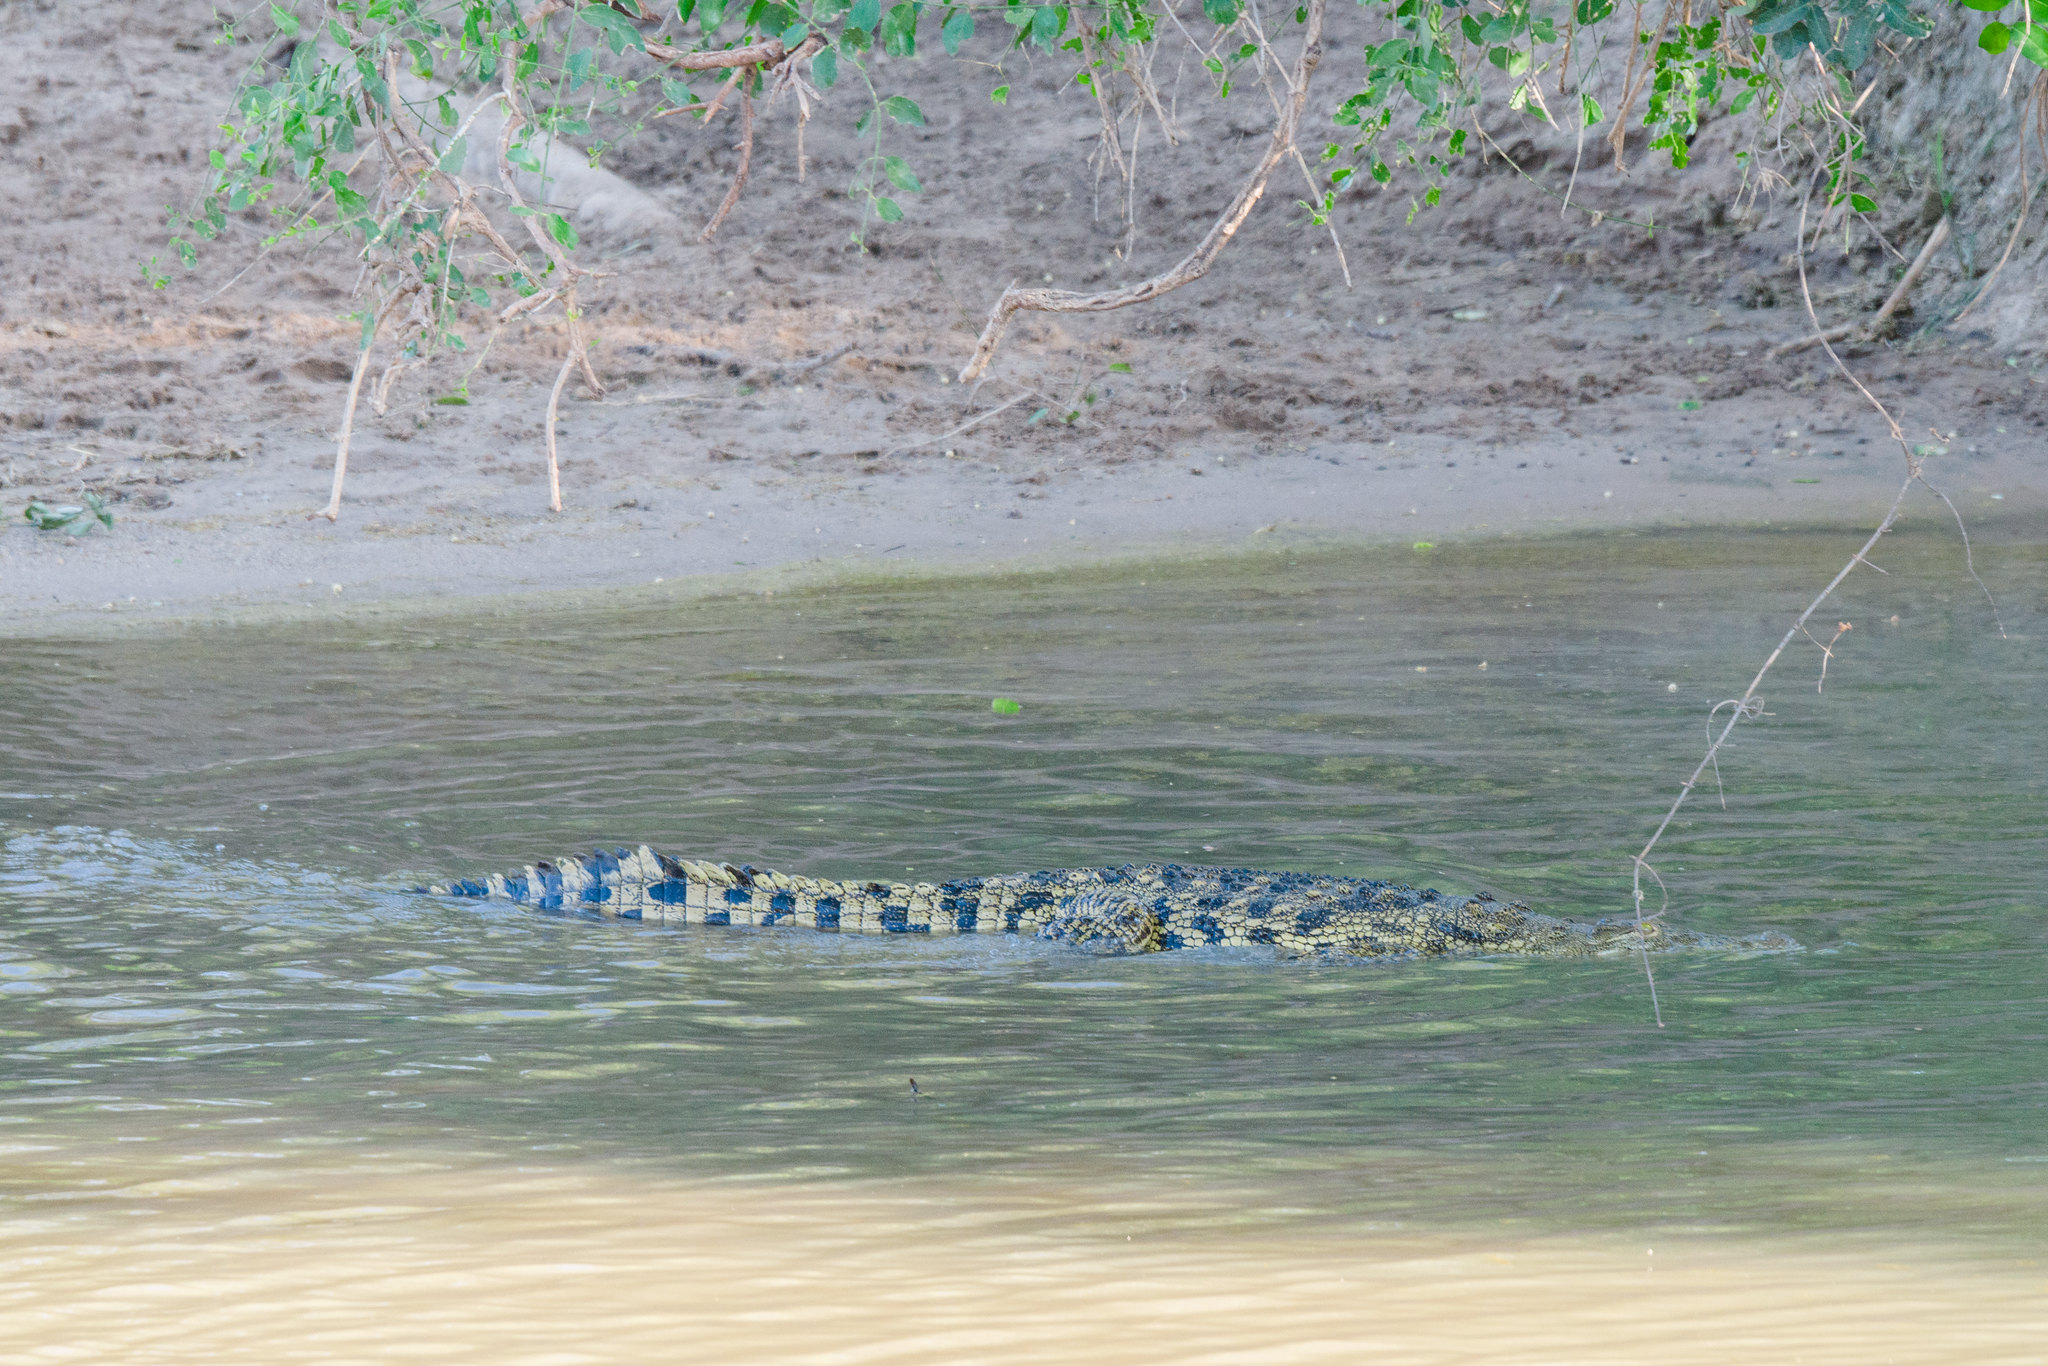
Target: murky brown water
x,y
256,1105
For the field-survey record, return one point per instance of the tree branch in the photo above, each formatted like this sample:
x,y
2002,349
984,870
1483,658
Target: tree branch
x,y
739,177
1196,263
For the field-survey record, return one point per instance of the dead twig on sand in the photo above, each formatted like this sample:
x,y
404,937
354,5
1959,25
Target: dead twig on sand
x,y
971,422
1196,263
1891,305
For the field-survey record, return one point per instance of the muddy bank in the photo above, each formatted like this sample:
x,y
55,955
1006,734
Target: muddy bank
x,y
780,400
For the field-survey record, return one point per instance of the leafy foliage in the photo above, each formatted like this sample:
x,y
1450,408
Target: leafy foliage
x,y
363,123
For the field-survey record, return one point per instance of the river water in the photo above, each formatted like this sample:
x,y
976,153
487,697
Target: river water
x,y
258,1103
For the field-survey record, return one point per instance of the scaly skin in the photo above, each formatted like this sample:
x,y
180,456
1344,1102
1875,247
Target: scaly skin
x,y
1133,909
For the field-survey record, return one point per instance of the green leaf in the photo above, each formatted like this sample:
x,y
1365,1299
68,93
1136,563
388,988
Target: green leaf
x,y
684,9
1995,38
1046,25
618,33
1862,203
1004,706
1590,108
899,31
453,400
864,14
999,95
1222,11
957,29
888,210
578,66
900,175
710,14
457,153
480,296
1690,405
1983,6
1425,545
287,22
793,37
825,69
99,509
2035,47
825,11
1121,367
560,229
903,110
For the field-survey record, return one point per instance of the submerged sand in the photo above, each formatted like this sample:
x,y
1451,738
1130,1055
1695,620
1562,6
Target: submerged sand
x,y
534,1265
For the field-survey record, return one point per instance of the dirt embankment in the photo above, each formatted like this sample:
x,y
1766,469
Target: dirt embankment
x,y
1496,366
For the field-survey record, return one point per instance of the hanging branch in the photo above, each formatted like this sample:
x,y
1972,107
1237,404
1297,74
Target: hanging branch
x,y
1196,263
1749,706
739,177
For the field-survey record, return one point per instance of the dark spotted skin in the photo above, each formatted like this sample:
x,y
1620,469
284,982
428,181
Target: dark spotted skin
x,y
1138,908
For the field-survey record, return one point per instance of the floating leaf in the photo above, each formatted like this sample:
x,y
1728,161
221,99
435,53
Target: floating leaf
x,y
1004,706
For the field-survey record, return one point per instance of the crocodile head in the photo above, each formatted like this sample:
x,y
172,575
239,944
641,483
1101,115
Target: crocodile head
x,y
1620,933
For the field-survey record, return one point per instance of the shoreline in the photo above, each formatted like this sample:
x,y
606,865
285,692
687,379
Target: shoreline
x,y
757,528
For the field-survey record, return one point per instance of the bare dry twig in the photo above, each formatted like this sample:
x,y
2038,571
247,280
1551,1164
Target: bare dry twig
x,y
1196,263
739,177
1749,706
1892,304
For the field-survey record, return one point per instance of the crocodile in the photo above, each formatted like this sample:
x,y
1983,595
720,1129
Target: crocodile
x,y
1137,908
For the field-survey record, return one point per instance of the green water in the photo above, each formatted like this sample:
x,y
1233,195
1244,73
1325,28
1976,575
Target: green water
x,y
204,957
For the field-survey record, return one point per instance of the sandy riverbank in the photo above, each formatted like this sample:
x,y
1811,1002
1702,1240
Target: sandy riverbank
x,y
1493,370
442,532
